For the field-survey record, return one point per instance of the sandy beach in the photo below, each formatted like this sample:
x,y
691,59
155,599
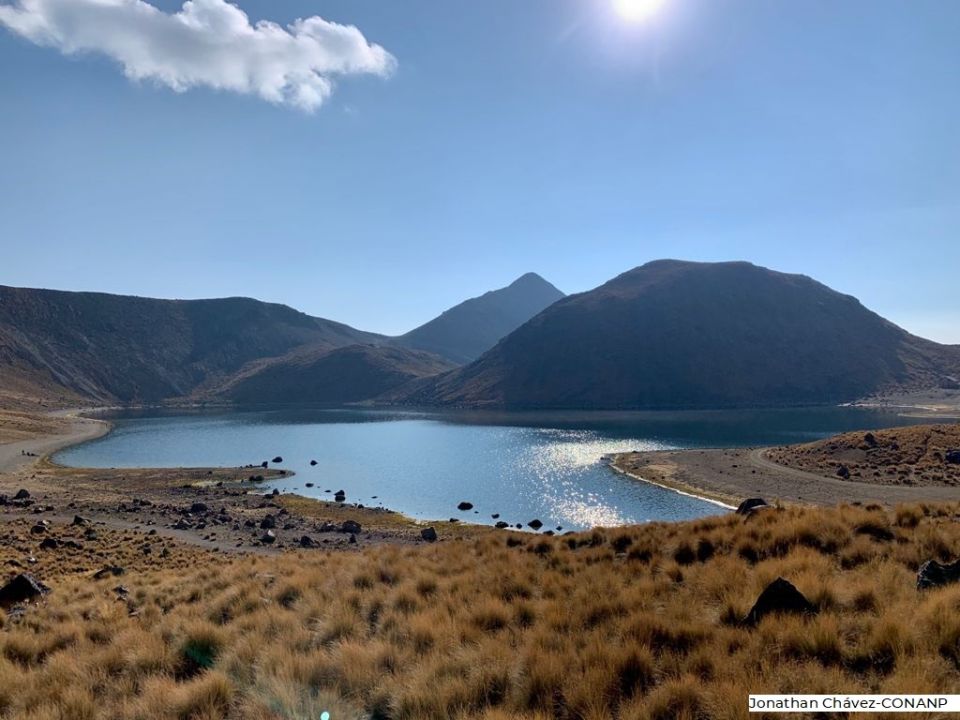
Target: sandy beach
x,y
732,475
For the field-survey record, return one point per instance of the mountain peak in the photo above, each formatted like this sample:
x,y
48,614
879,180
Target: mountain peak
x,y
464,332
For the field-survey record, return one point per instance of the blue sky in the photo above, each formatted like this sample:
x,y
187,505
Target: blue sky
x,y
493,138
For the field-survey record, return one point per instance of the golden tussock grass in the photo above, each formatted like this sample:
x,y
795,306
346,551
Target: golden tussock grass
x,y
632,623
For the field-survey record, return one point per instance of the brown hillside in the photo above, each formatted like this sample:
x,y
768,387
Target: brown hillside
x,y
918,455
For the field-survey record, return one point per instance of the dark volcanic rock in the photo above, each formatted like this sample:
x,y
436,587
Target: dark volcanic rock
x,y
933,574
22,588
21,494
350,526
501,525
751,504
780,596
307,542
953,457
465,506
268,523
429,534
77,520
268,537
844,472
198,508
313,462
49,544
535,524
109,571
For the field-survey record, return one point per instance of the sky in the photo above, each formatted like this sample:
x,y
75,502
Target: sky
x,y
376,162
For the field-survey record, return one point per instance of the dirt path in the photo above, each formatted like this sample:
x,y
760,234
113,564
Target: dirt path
x,y
76,430
730,476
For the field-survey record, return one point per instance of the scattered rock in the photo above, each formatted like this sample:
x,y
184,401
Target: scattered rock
x,y
350,526
22,588
780,596
269,537
750,505
429,534
307,542
870,440
181,524
953,457
535,524
278,459
934,574
309,485
78,521
501,525
464,506
496,516
353,539
38,529
843,471
198,508
49,544
21,494
313,462
340,496
275,492
268,523
264,464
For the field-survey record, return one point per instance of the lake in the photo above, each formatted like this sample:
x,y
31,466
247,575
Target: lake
x,y
520,465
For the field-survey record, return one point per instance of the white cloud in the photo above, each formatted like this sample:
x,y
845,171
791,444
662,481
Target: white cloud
x,y
207,43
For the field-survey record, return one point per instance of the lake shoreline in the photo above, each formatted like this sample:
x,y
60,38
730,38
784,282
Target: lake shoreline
x,y
729,476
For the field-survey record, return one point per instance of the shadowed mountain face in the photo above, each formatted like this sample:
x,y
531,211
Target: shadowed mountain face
x,y
129,349
466,331
348,374
674,334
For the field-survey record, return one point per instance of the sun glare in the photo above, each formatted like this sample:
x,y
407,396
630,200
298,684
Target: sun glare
x,y
638,10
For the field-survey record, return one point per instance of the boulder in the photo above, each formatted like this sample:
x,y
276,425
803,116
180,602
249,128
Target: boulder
x,y
77,520
109,571
38,529
21,494
353,539
535,524
278,459
501,525
264,464
464,506
934,574
429,534
780,596
268,537
750,505
307,542
268,523
340,496
953,457
350,526
181,524
49,544
22,588
313,462
843,472
198,508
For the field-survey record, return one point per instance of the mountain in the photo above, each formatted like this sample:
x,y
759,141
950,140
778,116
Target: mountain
x,y
347,374
674,334
463,333
112,348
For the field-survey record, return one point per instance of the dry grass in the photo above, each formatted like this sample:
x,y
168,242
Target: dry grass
x,y
632,623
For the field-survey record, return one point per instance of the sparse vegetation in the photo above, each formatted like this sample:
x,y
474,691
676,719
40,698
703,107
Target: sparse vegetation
x,y
639,622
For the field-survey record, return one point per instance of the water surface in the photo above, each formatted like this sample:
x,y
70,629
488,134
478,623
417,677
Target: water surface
x,y
519,465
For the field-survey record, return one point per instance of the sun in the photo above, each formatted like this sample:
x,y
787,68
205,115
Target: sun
x,y
638,10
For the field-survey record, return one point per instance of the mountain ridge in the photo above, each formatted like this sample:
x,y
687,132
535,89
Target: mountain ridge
x,y
676,334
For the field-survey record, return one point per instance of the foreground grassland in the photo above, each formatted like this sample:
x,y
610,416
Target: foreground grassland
x,y
637,622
